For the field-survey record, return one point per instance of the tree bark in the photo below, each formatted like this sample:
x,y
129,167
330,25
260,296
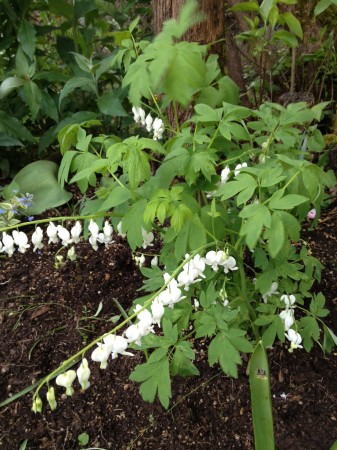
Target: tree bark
x,y
210,30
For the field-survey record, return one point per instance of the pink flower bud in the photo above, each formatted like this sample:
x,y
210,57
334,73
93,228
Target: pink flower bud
x,y
312,214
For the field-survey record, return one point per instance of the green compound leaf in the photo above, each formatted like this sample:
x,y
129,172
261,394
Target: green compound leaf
x,y
287,201
181,363
244,181
155,380
225,348
158,70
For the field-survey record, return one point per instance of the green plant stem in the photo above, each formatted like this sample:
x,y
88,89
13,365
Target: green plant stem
x,y
175,110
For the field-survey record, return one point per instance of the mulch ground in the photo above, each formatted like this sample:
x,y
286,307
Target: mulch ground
x,y
46,316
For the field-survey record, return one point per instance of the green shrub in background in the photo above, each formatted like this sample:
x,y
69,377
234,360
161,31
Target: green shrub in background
x,y
58,65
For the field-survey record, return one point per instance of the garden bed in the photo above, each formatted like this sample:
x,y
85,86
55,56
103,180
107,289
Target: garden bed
x,y
46,315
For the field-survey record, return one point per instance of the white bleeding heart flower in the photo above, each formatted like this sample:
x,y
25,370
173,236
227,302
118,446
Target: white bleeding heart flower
x,y
101,354
52,233
64,235
66,380
83,374
8,244
76,232
21,240
37,239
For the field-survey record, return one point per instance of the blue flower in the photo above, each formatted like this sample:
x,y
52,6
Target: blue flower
x,y
30,218
2,211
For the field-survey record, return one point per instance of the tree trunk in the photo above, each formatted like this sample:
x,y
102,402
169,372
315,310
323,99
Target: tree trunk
x,y
210,30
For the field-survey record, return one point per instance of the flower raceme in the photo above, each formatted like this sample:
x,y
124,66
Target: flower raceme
x,y
113,345
18,241
156,125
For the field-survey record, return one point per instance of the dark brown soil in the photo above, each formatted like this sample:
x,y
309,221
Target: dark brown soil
x,y
45,318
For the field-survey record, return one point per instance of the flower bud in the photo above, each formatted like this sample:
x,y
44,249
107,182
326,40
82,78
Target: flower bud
x,y
83,374
37,405
312,214
51,398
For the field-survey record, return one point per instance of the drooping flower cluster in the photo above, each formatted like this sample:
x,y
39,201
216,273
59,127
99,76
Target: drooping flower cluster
x,y
18,240
288,318
113,345
156,125
287,315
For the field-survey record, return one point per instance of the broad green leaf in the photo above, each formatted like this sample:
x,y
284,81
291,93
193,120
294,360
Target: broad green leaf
x,y
275,235
287,37
9,141
64,169
315,141
33,97
226,353
271,176
133,223
323,5
291,224
330,339
206,113
62,8
14,127
273,16
293,24
52,76
27,38
48,106
8,85
118,196
40,179
189,61
22,64
82,140
231,188
181,363
87,164
256,209
200,161
83,63
136,164
155,379
246,6
287,201
238,131
74,83
180,215
252,230
245,195
265,8
170,331
205,324
189,15
111,105
229,90
196,235
309,330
